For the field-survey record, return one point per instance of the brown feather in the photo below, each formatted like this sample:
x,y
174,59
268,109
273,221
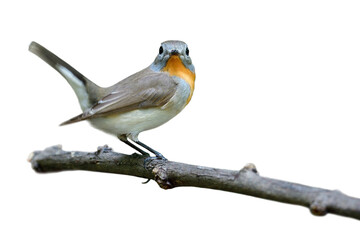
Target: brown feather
x,y
144,89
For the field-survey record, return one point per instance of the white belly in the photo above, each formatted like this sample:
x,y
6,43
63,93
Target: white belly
x,y
133,122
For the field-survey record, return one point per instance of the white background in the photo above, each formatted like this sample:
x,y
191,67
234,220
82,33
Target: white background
x,y
277,85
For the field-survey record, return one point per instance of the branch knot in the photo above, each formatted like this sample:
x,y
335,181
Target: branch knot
x,y
320,205
161,176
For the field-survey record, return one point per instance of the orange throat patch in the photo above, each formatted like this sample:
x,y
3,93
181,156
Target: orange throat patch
x,y
175,67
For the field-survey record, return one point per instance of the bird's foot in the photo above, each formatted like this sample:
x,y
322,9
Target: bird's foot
x,y
148,160
103,149
159,156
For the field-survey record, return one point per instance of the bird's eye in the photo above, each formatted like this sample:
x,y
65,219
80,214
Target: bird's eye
x,y
161,50
187,51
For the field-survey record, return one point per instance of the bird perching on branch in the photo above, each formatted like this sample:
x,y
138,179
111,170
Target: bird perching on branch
x,y
142,101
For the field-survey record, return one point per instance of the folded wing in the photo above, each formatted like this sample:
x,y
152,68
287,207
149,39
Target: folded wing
x,y
145,89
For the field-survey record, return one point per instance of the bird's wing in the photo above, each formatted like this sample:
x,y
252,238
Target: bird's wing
x,y
144,89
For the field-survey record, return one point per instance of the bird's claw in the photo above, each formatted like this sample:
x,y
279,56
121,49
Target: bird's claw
x,y
103,149
148,160
146,181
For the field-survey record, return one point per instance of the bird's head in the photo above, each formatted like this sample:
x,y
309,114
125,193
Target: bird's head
x,y
173,54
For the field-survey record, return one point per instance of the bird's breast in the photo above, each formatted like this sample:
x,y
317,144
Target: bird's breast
x,y
175,67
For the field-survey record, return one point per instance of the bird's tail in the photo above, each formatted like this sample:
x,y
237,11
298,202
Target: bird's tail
x,y
87,92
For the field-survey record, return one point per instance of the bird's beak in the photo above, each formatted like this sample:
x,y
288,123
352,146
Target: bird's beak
x,y
174,52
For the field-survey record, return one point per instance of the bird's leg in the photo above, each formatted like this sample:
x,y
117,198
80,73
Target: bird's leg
x,y
157,154
126,141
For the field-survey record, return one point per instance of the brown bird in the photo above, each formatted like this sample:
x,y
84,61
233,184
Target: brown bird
x,y
142,101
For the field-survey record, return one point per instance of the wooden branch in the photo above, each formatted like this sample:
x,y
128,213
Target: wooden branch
x,y
173,174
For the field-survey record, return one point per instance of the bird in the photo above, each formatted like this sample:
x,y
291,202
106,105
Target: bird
x,y
143,101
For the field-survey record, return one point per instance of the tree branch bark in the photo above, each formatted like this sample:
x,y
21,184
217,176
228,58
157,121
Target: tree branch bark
x,y
173,174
